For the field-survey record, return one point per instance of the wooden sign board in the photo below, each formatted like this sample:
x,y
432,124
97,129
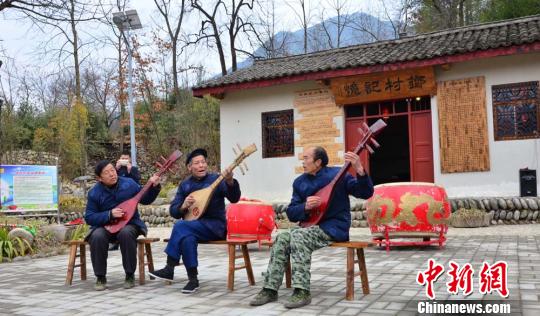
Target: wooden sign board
x,y
384,86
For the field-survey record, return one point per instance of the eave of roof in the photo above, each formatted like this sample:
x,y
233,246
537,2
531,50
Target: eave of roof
x,y
505,51
478,50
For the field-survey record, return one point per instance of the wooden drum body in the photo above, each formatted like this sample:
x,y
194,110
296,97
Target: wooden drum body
x,y
250,220
408,210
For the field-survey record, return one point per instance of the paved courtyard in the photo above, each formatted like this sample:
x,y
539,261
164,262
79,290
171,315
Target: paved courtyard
x,y
36,287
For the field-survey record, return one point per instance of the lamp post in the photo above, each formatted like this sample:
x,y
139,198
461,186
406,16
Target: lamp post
x,y
129,20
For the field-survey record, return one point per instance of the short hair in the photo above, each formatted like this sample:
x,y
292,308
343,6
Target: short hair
x,y
126,152
100,166
320,153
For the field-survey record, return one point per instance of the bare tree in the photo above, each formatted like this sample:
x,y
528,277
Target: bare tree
x,y
431,15
235,24
113,37
210,30
173,26
265,33
399,16
340,21
65,19
39,8
304,14
99,86
450,11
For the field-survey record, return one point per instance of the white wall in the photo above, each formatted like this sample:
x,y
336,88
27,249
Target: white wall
x,y
506,157
269,179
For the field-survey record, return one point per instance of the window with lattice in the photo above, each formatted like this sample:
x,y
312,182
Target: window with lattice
x,y
516,110
278,134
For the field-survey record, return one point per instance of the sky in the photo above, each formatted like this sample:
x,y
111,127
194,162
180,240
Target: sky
x,y
21,45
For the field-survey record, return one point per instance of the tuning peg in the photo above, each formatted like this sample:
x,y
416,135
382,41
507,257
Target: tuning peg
x,y
365,126
159,165
245,166
234,151
375,143
242,170
371,151
239,148
361,132
162,158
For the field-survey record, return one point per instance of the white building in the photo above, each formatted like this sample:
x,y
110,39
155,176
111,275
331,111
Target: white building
x,y
462,108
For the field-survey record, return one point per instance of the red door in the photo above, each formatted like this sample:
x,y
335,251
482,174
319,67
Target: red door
x,y
421,147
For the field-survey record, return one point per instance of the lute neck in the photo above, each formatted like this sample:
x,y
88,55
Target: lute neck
x,y
147,186
347,164
222,175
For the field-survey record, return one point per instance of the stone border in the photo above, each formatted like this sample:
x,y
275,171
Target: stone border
x,y
502,210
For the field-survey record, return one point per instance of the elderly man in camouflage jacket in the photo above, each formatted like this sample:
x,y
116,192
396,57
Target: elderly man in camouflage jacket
x,y
301,242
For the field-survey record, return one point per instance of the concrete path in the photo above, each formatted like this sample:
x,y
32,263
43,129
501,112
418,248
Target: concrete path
x,y
36,287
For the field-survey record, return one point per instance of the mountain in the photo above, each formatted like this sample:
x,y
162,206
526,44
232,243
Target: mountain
x,y
360,28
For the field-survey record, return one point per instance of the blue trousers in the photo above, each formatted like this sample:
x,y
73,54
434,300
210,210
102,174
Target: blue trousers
x,y
184,238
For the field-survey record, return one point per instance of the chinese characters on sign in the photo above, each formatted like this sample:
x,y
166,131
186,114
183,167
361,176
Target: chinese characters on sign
x,y
384,86
491,278
354,88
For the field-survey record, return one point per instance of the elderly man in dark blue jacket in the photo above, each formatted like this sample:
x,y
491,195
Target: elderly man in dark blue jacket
x,y
101,210
210,226
301,242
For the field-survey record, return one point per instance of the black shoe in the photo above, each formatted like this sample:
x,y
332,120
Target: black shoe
x,y
166,274
129,282
114,246
101,284
191,287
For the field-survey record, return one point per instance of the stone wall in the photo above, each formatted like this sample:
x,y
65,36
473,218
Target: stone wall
x,y
502,210
29,157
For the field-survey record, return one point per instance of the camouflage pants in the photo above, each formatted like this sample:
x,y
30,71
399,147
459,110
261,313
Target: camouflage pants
x,y
299,243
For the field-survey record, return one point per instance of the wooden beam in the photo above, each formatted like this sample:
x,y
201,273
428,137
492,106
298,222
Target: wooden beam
x,y
219,96
324,82
446,67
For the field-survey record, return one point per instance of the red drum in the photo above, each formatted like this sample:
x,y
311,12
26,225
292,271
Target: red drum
x,y
250,220
408,209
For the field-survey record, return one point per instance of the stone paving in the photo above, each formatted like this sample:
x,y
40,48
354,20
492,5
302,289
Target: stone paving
x,y
36,287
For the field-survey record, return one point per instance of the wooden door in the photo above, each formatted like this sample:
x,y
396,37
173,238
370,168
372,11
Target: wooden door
x,y
421,147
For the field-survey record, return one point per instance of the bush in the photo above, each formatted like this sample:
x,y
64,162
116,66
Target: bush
x,y
71,204
166,188
80,232
11,247
469,218
46,242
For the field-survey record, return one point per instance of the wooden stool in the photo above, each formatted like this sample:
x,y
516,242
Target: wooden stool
x,y
352,247
144,249
231,249
75,245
